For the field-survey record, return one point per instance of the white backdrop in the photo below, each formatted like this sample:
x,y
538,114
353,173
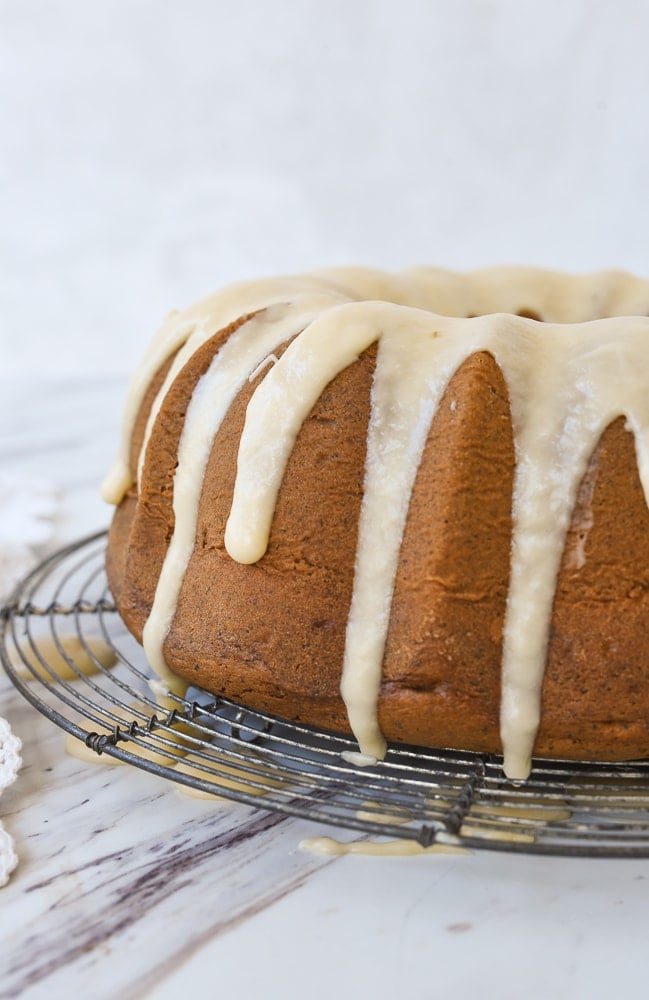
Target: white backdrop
x,y
151,151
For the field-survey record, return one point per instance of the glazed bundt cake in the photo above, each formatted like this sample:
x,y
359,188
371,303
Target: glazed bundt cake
x,y
411,507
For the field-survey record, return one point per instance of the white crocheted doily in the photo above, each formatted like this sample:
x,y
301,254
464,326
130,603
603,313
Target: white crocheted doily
x,y
27,507
9,766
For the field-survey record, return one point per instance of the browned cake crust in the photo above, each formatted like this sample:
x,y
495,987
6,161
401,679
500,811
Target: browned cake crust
x,y
271,634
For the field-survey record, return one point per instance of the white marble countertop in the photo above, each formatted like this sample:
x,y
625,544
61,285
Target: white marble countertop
x,y
127,888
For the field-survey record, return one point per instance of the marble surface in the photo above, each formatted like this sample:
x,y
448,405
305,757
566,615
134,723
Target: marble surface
x,y
127,888
147,158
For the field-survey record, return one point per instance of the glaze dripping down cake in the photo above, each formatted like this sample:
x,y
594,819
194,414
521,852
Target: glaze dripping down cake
x,y
412,507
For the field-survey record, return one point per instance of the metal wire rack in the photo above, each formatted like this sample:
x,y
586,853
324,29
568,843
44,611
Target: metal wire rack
x,y
65,648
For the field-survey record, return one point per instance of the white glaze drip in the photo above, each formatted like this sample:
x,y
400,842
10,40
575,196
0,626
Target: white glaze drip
x,y
282,402
562,396
405,395
376,848
241,354
174,332
580,383
64,657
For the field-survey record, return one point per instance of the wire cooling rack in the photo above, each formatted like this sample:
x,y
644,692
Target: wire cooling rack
x,y
61,634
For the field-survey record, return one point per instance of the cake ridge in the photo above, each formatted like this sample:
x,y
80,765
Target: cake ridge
x,y
232,365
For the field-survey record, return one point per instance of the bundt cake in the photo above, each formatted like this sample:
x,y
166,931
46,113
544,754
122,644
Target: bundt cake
x,y
411,507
